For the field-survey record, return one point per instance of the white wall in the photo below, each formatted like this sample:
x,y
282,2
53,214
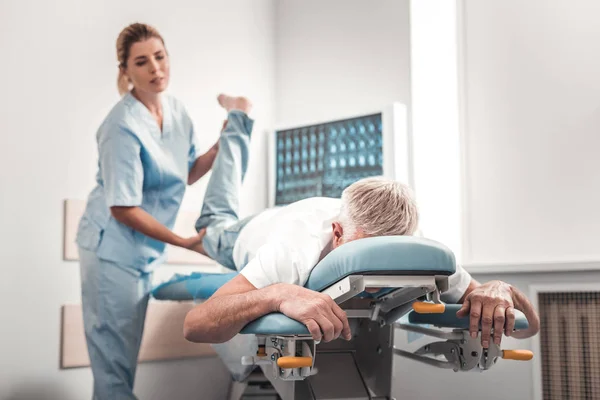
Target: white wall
x,y
340,58
532,97
531,121
436,140
58,82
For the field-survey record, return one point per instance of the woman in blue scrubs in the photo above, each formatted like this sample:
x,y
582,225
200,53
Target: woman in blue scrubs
x,y
147,156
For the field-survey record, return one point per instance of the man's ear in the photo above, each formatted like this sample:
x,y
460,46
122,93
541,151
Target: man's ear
x,y
338,233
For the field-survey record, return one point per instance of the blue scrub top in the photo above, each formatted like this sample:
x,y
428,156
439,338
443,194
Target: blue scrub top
x,y
137,166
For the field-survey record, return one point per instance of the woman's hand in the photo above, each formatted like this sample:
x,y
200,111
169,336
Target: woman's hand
x,y
214,150
194,243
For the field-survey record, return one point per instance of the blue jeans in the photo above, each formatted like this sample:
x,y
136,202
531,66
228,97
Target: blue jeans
x,y
220,209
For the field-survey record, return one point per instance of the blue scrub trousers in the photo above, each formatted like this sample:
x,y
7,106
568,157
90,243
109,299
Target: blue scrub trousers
x,y
114,301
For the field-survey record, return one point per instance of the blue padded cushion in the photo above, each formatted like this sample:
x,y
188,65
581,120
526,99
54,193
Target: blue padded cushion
x,y
448,319
275,323
383,255
197,285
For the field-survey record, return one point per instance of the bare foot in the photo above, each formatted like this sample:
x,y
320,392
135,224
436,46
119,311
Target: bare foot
x,y
234,103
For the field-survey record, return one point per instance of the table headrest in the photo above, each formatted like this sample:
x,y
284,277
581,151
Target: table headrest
x,y
383,255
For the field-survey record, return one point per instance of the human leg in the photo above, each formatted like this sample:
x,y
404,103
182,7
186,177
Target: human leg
x,y
219,214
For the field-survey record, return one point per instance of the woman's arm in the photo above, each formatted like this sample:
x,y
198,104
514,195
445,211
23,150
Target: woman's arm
x,y
138,219
203,164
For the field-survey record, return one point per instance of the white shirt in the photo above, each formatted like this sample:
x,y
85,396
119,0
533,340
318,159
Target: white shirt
x,y
283,245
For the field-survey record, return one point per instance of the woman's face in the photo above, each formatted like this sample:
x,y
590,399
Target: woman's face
x,y
148,66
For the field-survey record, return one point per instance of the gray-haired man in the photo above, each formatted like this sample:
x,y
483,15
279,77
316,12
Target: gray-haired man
x,y
276,250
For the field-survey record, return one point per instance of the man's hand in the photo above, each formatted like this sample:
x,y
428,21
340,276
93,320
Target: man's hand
x,y
324,319
492,304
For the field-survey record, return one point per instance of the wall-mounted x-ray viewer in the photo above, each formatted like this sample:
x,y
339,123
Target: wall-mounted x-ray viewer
x,y
322,159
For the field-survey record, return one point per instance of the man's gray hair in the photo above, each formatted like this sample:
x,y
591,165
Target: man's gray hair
x,y
379,207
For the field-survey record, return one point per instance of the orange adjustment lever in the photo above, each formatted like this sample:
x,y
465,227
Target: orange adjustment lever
x,y
294,362
422,307
521,355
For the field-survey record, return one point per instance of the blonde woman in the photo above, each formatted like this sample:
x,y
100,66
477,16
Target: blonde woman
x,y
147,156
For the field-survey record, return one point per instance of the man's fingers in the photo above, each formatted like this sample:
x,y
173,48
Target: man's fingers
x,y
487,319
327,328
509,325
499,319
314,329
475,316
326,318
346,333
327,309
464,310
336,322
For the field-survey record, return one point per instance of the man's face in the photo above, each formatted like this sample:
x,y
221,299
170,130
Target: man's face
x,y
338,235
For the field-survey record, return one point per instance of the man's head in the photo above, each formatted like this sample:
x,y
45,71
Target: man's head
x,y
375,207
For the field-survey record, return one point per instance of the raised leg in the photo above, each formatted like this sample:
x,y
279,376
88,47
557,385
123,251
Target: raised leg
x,y
219,215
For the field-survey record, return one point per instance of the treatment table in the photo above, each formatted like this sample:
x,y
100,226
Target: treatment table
x,y
411,273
